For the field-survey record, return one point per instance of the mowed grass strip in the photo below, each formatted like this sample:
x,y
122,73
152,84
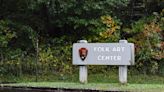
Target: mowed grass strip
x,y
94,86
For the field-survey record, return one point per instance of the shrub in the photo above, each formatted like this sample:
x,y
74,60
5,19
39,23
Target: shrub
x,y
148,42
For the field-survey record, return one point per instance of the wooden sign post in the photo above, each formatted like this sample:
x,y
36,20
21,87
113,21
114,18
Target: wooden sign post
x,y
123,69
83,71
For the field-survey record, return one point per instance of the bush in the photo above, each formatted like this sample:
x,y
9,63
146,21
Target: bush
x,y
147,36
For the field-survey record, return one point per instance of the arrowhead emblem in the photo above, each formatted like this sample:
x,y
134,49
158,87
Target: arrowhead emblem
x,y
83,52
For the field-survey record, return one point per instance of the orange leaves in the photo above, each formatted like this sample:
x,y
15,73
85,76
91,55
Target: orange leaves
x,y
107,20
111,26
150,29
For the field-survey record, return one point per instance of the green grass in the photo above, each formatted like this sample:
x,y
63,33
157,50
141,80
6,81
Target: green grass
x,y
111,77
103,81
95,86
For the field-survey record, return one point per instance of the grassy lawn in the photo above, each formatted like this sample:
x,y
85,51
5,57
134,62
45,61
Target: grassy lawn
x,y
140,82
95,86
110,77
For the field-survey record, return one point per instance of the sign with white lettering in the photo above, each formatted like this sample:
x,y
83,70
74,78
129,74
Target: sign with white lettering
x,y
103,54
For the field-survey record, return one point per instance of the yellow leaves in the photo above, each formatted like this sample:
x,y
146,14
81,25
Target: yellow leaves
x,y
150,29
111,26
46,56
158,55
107,20
13,62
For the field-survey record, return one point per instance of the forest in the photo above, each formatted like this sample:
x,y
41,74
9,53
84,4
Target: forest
x,y
36,36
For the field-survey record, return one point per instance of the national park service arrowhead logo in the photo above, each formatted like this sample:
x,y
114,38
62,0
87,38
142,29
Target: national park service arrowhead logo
x,y
83,52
